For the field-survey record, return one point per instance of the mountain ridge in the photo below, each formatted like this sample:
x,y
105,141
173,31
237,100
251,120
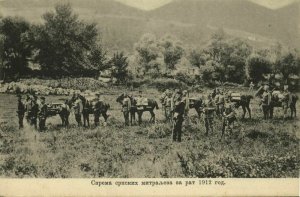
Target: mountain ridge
x,y
122,25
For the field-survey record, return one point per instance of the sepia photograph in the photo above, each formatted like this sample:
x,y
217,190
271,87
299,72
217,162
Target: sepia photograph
x,y
149,89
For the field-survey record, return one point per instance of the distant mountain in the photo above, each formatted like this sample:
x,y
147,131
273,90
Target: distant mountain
x,y
192,21
235,14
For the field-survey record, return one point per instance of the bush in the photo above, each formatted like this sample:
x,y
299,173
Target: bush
x,y
185,78
162,84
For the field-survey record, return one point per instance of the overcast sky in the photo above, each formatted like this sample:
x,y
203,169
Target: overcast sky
x,y
152,4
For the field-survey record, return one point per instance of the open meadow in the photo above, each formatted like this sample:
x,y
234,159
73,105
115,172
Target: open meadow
x,y
257,148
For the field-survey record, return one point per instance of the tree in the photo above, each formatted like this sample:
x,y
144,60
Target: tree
x,y
172,50
256,67
148,54
66,45
15,48
288,64
119,64
231,54
197,58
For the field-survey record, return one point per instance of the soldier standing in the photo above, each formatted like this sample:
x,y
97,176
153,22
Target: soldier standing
x,y
220,101
266,103
97,110
286,100
251,86
167,104
34,112
78,107
65,113
140,106
209,110
179,107
42,114
186,100
21,111
28,106
229,118
162,99
126,107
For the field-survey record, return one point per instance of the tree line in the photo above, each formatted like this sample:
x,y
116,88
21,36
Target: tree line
x,y
63,45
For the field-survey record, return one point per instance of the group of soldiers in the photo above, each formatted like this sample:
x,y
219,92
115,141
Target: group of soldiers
x,y
176,106
34,110
267,101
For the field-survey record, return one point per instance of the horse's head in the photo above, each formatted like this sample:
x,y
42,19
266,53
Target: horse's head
x,y
120,98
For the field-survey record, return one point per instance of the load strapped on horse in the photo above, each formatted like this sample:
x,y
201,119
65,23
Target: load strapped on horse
x,y
139,105
278,98
241,100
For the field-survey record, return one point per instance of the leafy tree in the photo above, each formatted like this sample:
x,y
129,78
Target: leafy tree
x,y
197,58
256,67
15,45
149,55
288,64
212,71
119,65
172,51
66,45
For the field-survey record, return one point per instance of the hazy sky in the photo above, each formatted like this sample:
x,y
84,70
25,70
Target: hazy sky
x,y
152,4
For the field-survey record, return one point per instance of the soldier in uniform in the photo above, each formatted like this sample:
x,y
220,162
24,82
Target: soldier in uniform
x,y
28,106
229,116
97,110
78,107
65,113
286,100
266,103
251,86
21,111
34,112
220,102
187,106
126,107
167,104
163,101
42,114
140,106
179,107
209,110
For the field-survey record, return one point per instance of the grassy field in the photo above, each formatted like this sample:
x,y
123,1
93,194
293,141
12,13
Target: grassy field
x,y
257,148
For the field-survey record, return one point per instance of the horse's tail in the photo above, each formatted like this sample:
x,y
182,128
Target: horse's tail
x,y
107,106
156,105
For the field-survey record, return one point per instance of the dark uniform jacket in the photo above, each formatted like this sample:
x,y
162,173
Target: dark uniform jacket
x,y
179,109
34,110
21,108
43,111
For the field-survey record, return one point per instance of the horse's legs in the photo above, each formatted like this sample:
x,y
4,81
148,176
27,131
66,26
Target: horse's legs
x,y
249,110
105,116
140,113
152,116
244,111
